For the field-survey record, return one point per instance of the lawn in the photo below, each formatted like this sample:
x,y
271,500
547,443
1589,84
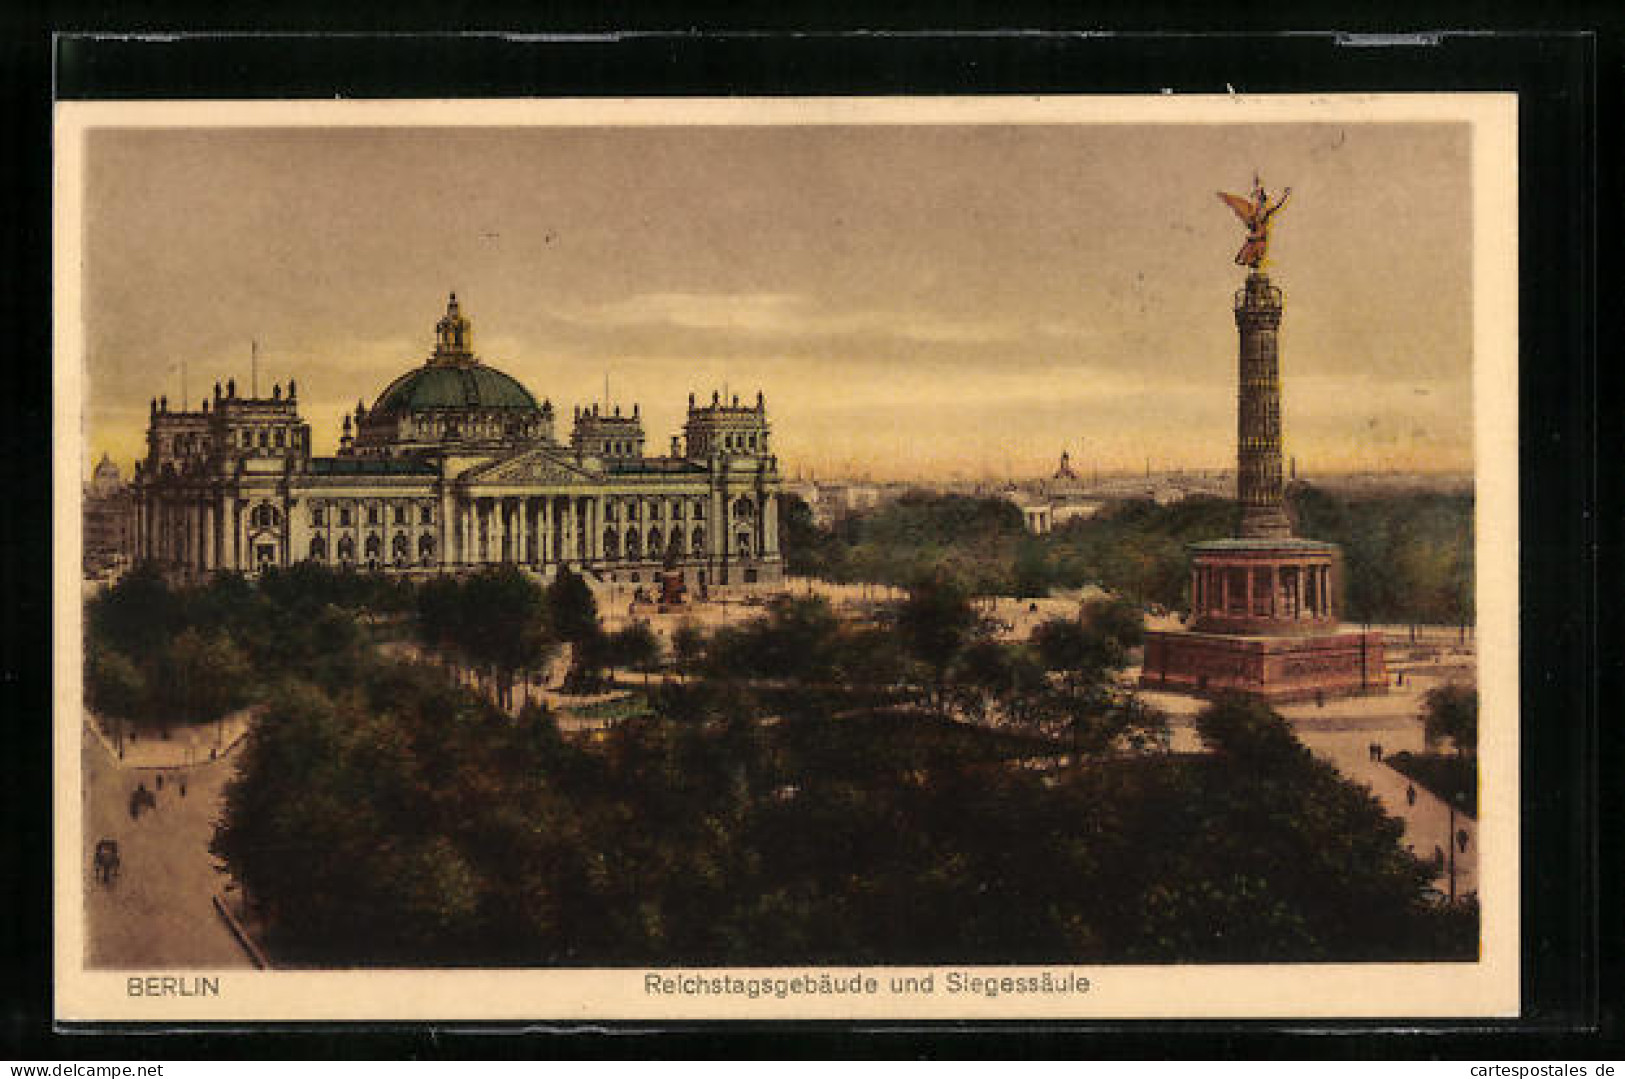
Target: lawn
x,y
1448,776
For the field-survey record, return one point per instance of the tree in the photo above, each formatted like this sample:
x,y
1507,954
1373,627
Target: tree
x,y
137,615
993,677
1247,729
634,646
809,550
203,678
687,644
504,625
795,639
115,688
590,656
1116,618
1031,574
1450,713
1081,654
571,608
934,622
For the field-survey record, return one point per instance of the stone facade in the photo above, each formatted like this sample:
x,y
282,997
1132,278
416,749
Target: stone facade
x,y
1329,663
454,467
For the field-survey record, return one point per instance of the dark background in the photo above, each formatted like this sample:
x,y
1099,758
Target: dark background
x,y
1565,65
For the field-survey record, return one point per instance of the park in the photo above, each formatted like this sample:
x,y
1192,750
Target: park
x,y
903,753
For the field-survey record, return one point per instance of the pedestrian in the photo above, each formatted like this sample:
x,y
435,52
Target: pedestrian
x,y
1410,794
1461,839
1379,752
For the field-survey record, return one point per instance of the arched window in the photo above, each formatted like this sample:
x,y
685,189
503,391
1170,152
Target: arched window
x,y
611,543
265,440
655,550
375,547
400,549
426,515
677,511
632,549
612,510
318,549
346,549
318,516
426,549
281,438
699,510
699,541
632,510
372,515
400,515
346,517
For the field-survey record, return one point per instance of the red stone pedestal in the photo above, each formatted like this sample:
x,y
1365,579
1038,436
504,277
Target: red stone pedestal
x,y
1264,622
1284,668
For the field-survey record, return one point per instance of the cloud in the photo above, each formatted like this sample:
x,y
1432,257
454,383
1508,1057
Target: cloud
x,y
782,315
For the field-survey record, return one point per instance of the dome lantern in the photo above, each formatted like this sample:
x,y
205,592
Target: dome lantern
x,y
454,338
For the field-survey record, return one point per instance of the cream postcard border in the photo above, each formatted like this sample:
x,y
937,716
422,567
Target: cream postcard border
x,y
1306,991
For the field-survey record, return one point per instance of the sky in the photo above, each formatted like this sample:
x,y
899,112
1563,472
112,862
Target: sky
x,y
916,302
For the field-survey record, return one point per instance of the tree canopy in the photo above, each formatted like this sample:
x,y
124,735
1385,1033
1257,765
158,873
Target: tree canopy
x,y
1450,714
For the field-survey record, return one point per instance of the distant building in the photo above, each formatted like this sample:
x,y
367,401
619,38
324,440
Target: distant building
x,y
1075,509
455,466
109,520
1044,511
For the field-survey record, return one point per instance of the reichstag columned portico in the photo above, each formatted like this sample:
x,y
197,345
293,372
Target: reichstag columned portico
x,y
454,466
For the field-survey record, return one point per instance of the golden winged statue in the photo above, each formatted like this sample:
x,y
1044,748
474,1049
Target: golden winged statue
x,y
1255,213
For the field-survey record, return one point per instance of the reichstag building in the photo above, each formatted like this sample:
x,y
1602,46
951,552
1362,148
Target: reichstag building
x,y
456,466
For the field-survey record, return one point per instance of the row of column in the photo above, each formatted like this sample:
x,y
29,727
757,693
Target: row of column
x,y
528,530
571,528
201,533
1292,590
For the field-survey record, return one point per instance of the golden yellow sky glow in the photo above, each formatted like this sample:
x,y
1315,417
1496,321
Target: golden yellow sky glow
x,y
933,302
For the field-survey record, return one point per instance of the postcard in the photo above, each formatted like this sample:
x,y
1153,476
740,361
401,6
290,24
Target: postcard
x,y
826,558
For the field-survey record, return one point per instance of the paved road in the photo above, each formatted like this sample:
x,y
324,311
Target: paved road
x,y
1341,732
158,914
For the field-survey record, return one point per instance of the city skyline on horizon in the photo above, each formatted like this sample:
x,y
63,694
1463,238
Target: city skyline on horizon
x,y
916,303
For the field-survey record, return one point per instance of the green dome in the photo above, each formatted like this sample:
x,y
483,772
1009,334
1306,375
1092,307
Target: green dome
x,y
471,386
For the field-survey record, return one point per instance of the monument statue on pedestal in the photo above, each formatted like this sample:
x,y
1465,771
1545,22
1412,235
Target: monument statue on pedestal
x,y
1255,214
1263,605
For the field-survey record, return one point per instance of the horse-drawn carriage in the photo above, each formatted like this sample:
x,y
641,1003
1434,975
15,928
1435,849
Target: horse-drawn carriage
x,y
107,861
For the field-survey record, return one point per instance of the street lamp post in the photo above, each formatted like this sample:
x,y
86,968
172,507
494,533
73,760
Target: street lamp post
x,y
1450,845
